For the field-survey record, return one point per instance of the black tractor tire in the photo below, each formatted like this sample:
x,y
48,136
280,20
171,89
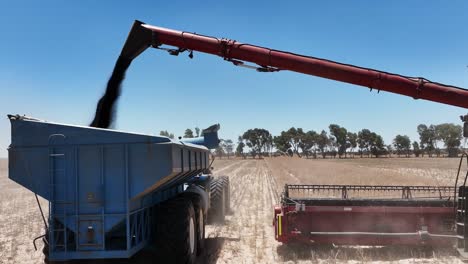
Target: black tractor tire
x,y
201,222
176,240
227,194
45,250
217,211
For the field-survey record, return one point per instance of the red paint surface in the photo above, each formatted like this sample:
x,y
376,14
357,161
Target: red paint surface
x,y
229,49
296,226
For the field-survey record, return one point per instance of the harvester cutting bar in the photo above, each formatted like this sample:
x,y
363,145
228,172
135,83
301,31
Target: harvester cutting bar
x,y
366,215
366,191
375,234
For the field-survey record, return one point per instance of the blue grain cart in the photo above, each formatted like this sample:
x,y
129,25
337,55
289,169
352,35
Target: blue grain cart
x,y
112,193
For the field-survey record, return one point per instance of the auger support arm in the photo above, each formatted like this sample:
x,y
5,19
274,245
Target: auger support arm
x,y
143,35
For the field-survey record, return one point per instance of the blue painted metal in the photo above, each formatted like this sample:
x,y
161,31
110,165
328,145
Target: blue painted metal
x,y
209,139
101,184
200,179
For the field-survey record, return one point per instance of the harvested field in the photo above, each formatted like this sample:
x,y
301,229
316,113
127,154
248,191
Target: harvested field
x,y
20,221
385,171
248,235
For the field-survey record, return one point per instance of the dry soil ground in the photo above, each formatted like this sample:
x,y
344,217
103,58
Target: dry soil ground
x,y
248,235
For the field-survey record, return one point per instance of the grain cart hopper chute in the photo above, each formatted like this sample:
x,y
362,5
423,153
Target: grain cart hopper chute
x,y
111,193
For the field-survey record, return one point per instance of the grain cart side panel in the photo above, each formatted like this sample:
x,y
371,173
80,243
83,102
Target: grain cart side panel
x,y
114,177
90,180
22,162
34,142
100,184
146,161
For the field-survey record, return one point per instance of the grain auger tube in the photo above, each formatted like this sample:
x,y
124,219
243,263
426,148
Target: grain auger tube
x,y
143,36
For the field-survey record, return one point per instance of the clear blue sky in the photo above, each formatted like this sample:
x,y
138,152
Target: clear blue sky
x,y
56,57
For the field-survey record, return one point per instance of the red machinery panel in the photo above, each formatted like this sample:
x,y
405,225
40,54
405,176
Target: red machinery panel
x,y
366,215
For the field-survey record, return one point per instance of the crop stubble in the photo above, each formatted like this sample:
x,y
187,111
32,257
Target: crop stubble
x,y
247,236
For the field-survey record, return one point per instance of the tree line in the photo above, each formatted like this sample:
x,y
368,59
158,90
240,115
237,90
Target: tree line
x,y
189,133
337,142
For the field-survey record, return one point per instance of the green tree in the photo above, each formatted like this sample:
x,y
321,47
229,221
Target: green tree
x,y
370,143
416,149
290,140
402,145
197,131
228,147
427,138
269,145
339,134
309,143
166,134
390,150
295,138
363,140
240,147
188,133
332,146
323,142
377,146
351,141
282,142
256,139
451,135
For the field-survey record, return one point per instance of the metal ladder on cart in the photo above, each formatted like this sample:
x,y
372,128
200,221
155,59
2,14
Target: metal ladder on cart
x,y
461,213
64,208
57,232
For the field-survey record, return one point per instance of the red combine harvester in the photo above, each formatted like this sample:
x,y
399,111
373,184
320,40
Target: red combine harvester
x,y
340,214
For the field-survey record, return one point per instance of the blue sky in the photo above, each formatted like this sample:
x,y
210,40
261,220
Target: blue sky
x,y
56,57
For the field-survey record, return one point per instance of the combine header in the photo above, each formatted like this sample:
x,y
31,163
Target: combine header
x,y
366,215
375,215
111,193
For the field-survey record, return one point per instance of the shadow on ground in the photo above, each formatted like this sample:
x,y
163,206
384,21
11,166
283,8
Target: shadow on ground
x,y
360,253
213,246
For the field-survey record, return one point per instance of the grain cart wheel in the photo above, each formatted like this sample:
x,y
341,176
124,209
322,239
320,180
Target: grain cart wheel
x,y
227,194
176,238
201,221
45,250
217,202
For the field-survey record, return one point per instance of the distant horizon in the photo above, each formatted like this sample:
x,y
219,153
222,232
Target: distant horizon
x,y
439,144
